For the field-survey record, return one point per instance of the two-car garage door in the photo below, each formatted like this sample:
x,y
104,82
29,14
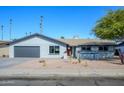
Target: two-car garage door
x,y
27,51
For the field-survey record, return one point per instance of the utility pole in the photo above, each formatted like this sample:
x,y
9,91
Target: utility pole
x,y
1,32
26,34
30,33
41,24
10,32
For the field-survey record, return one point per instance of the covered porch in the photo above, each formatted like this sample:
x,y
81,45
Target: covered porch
x,y
95,52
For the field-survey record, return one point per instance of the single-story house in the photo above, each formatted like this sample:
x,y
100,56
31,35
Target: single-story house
x,y
40,46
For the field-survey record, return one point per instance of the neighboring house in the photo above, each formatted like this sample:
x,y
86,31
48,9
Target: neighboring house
x,y
120,46
4,49
41,46
3,42
120,50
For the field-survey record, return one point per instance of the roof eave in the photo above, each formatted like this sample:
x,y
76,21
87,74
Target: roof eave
x,y
35,35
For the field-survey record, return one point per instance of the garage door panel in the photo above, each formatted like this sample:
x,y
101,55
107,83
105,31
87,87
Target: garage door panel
x,y
27,51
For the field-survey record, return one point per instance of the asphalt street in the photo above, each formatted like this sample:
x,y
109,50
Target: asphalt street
x,y
64,82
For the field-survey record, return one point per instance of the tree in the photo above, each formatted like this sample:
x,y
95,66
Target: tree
x,y
111,26
62,37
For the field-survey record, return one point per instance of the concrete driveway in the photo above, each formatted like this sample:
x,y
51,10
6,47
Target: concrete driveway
x,y
8,62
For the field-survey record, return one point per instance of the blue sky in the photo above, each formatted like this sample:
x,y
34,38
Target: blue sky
x,y
58,21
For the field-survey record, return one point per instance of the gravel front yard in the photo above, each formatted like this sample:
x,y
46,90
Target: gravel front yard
x,y
66,64
29,68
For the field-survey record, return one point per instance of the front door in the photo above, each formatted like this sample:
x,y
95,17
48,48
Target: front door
x,y
69,50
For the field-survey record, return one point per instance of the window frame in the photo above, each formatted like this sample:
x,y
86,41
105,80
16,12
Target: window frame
x,y
83,48
54,50
105,48
101,49
86,48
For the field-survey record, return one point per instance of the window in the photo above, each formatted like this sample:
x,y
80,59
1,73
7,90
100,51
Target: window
x,y
110,48
51,49
54,49
101,48
94,48
105,48
83,48
88,48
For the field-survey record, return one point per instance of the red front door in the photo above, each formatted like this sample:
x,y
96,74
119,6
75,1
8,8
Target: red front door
x,y
69,51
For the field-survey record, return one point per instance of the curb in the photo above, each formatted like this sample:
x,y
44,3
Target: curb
x,y
55,77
